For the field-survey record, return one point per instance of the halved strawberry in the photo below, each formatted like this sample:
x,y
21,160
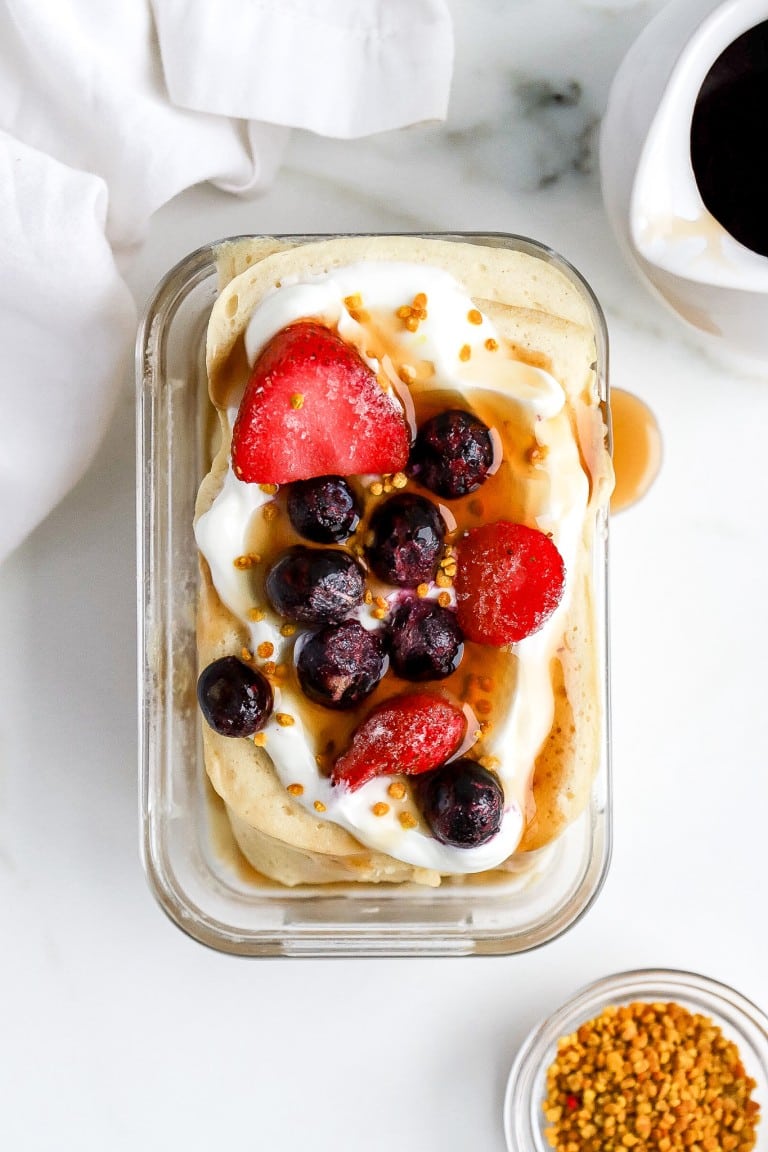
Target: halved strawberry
x,y
408,734
313,407
509,580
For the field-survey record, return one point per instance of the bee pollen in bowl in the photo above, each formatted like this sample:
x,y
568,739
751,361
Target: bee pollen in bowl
x,y
649,1075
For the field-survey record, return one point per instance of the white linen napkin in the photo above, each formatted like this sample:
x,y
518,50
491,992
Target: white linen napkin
x,y
107,112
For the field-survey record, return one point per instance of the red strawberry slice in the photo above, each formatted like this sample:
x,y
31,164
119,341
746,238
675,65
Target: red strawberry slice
x,y
408,734
509,580
313,407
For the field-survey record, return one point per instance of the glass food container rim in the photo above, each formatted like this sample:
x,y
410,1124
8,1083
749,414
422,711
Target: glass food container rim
x,y
189,270
649,985
169,295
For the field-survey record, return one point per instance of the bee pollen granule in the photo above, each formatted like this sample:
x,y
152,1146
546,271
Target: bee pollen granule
x,y
653,1077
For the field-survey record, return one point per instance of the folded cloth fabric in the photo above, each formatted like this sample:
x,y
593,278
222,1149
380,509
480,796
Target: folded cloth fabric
x,y
106,113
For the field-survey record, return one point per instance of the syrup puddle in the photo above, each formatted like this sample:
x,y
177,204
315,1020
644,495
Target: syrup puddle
x,y
636,448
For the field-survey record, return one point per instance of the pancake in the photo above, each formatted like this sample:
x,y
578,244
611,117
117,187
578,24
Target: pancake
x,y
542,321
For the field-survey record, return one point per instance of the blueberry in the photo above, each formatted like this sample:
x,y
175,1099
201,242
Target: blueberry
x,y
406,539
462,803
451,454
315,585
323,509
425,641
341,664
234,699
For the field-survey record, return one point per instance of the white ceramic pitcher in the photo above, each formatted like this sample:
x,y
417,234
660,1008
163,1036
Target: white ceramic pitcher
x,y
715,284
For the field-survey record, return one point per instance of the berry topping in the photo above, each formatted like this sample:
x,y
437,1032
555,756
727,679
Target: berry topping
x,y
509,581
451,454
462,803
341,664
323,509
425,641
408,734
315,585
313,407
234,699
407,535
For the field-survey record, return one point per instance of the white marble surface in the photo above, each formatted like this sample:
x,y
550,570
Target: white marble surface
x,y
116,1031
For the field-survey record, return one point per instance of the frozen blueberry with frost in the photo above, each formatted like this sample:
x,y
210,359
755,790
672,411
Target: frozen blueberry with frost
x,y
315,585
341,664
323,509
406,539
451,454
462,803
234,698
425,641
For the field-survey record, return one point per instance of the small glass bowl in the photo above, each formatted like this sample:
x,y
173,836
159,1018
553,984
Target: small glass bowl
x,y
192,864
740,1021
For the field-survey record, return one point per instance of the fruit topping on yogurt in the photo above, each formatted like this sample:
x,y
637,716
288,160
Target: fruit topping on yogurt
x,y
315,585
235,699
312,406
323,509
463,803
406,734
341,664
509,581
405,540
452,454
425,640
394,534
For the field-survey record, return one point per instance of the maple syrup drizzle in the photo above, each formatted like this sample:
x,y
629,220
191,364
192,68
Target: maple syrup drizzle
x,y
636,448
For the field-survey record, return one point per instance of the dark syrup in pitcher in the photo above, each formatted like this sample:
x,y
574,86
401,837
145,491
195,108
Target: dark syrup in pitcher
x,y
729,134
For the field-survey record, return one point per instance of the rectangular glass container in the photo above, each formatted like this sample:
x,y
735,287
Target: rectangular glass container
x,y
192,863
